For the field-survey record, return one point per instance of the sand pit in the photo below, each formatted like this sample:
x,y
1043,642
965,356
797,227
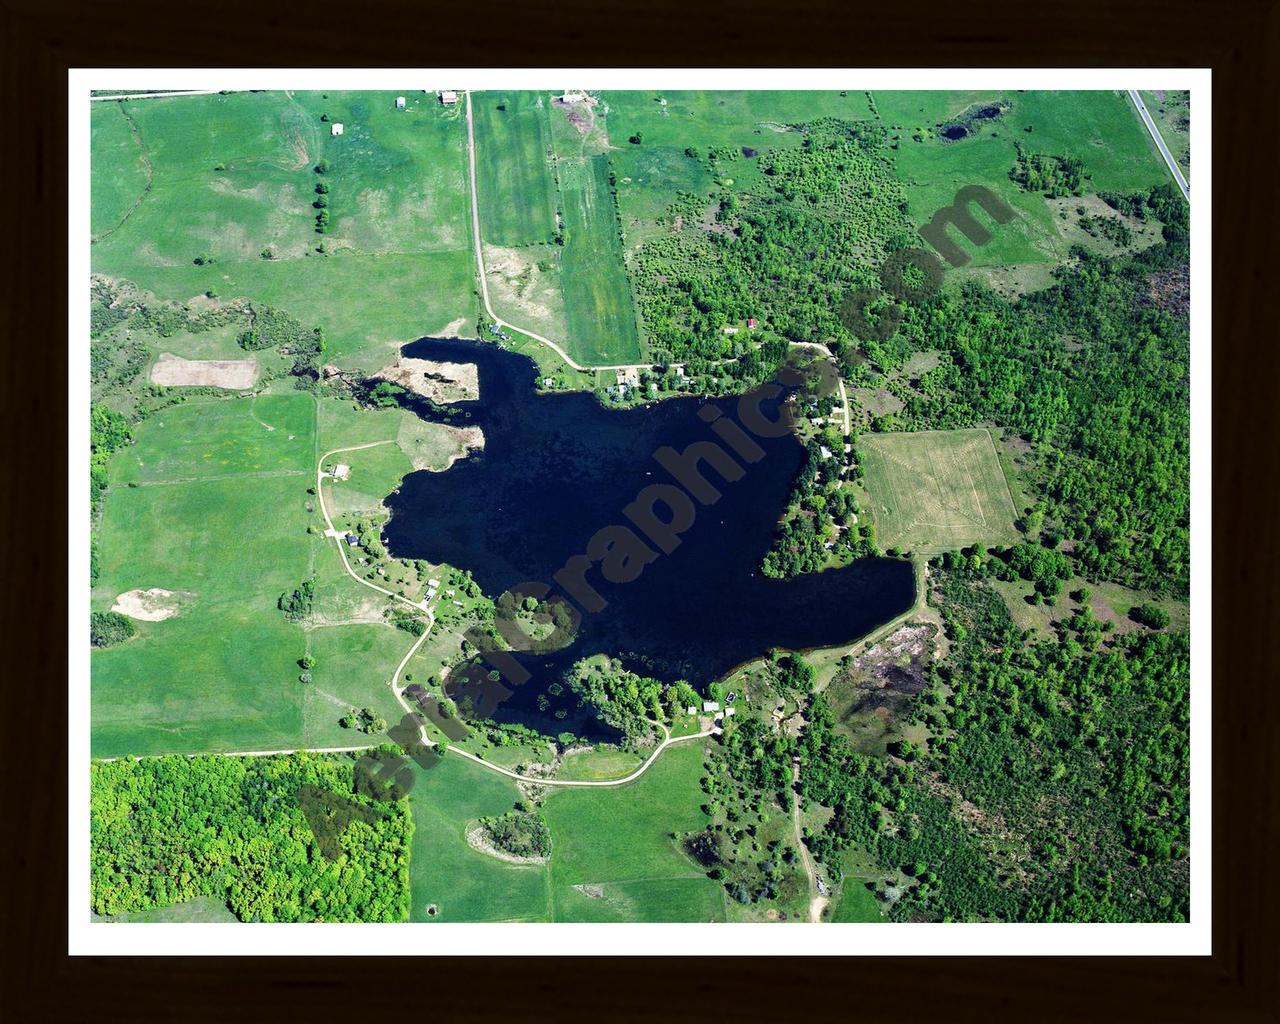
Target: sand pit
x,y
233,374
154,605
442,383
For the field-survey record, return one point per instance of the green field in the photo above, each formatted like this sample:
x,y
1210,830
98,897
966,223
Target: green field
x,y
212,505
233,176
613,842
538,176
597,296
1171,111
936,490
617,842
514,180
1100,127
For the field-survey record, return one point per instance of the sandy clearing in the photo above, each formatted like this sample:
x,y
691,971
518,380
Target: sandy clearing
x,y
153,605
233,374
471,439
451,329
440,382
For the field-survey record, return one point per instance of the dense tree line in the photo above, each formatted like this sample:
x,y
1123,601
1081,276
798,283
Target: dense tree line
x,y
165,830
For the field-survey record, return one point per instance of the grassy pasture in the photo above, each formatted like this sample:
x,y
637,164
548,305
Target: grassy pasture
x,y
198,910
464,884
1170,109
937,490
1100,127
114,144
222,674
265,434
618,839
211,504
514,181
234,176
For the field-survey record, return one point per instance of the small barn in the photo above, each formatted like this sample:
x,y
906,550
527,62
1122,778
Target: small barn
x,y
448,97
335,128
399,103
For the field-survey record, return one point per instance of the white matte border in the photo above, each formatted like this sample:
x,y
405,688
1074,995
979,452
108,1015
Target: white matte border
x,y
85,938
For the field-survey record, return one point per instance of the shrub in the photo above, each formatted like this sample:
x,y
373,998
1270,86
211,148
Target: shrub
x,y
109,628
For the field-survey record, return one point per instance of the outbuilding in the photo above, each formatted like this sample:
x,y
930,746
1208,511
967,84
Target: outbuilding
x,y
335,128
448,97
399,103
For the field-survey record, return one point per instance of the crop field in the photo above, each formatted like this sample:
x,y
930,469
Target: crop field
x,y
233,185
597,295
1101,128
936,490
515,183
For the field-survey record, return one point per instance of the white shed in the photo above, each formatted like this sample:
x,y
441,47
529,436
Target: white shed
x,y
335,128
399,103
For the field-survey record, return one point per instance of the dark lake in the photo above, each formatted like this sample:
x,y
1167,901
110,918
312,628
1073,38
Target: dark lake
x,y
557,468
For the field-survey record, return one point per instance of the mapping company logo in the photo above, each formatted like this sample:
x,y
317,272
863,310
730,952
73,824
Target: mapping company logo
x,y
661,512
928,277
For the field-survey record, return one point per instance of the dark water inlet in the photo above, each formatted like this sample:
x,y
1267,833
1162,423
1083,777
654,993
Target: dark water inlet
x,y
558,468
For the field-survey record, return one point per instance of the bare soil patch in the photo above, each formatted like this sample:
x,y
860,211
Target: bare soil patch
x,y
153,605
471,439
440,382
232,374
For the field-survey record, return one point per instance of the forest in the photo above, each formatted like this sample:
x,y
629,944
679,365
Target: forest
x,y
1057,784
167,829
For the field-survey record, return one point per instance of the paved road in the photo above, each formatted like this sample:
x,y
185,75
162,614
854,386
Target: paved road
x,y
1164,150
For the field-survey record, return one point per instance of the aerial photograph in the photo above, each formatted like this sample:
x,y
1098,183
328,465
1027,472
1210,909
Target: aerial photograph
x,y
638,505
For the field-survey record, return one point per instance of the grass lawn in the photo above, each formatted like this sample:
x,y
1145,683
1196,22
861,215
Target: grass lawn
x,y
616,843
937,490
234,176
